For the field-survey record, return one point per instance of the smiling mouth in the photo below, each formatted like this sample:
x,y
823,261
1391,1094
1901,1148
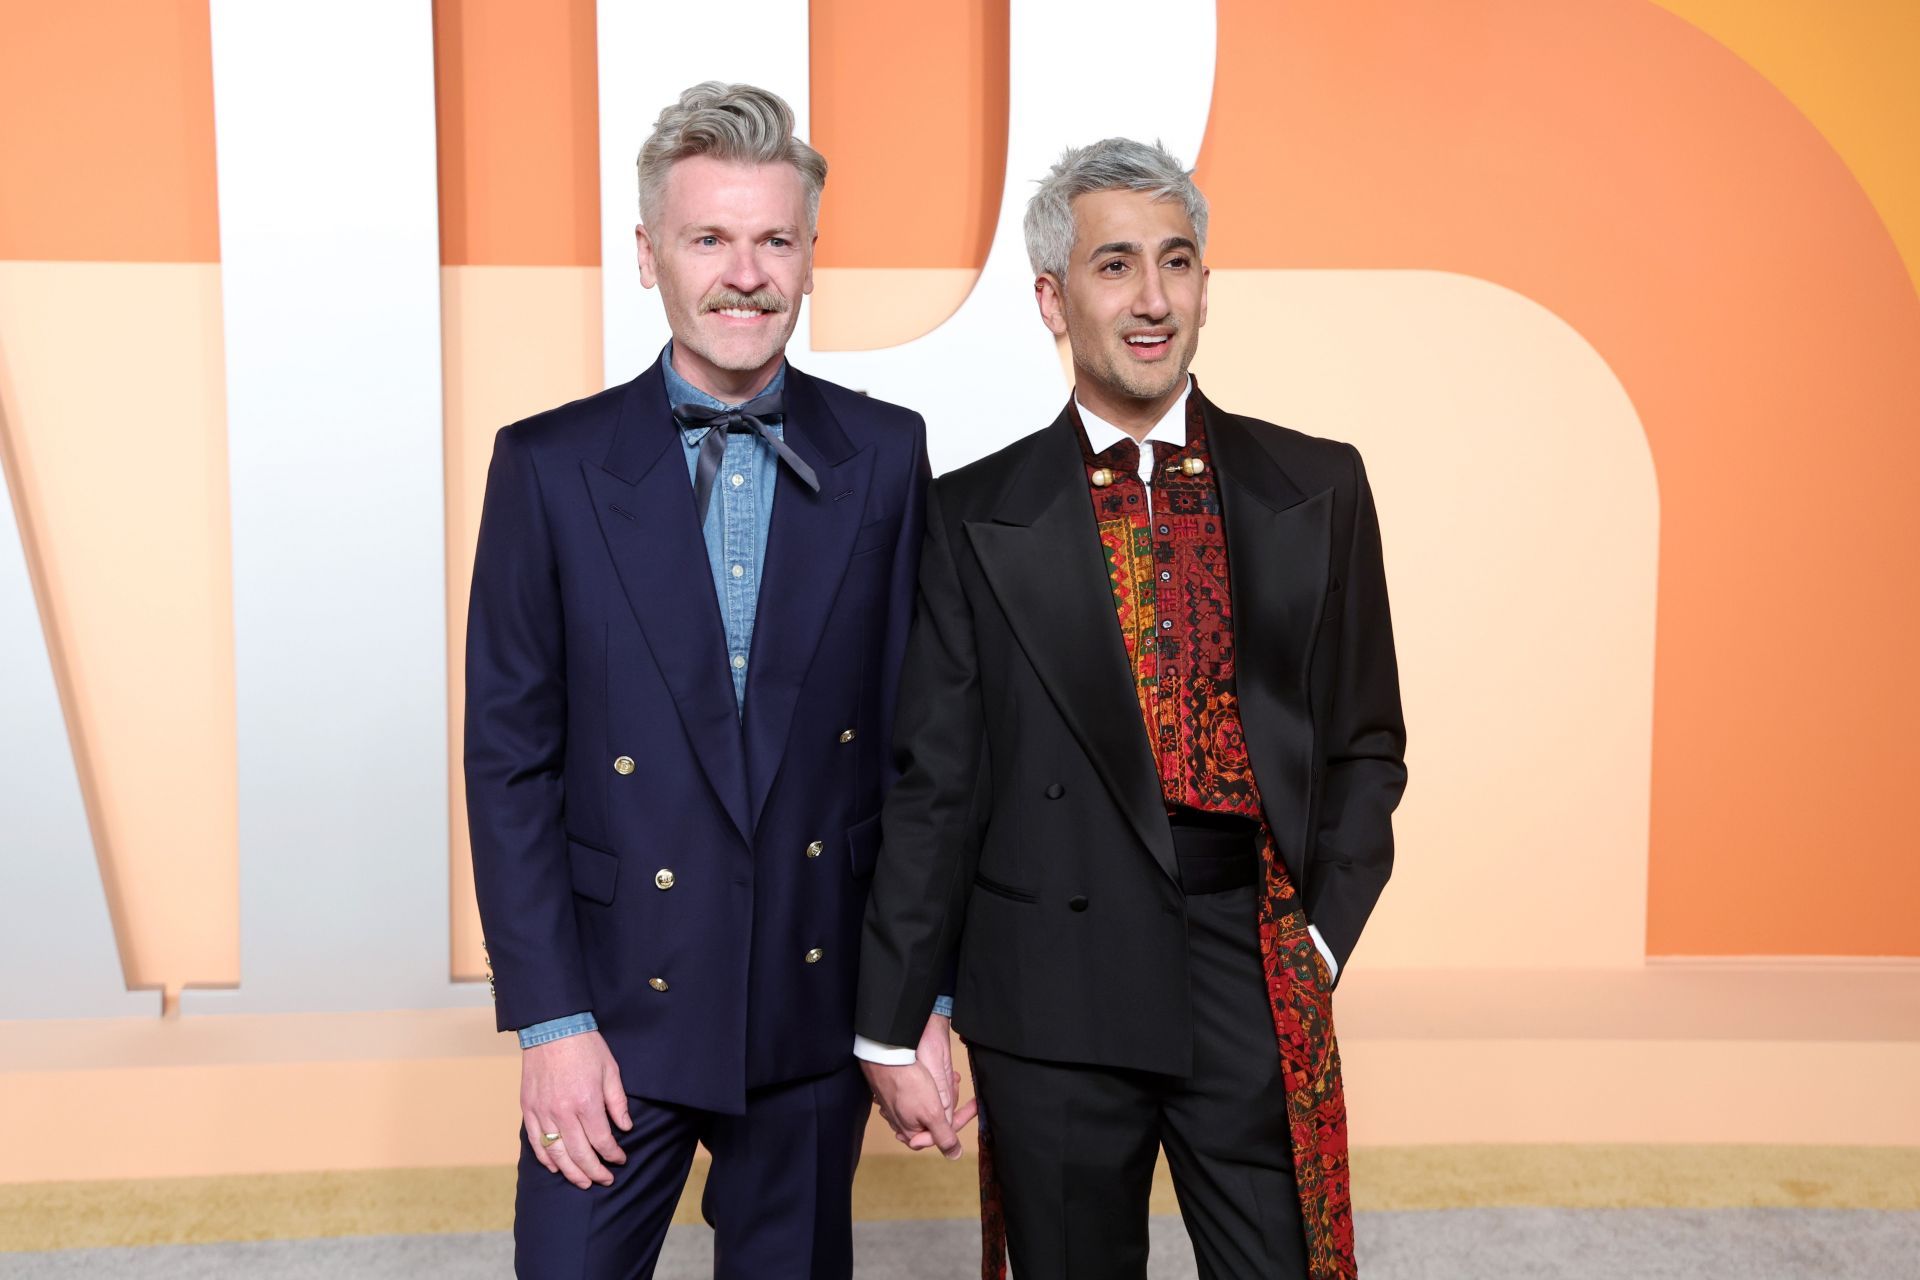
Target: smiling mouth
x,y
1147,343
740,313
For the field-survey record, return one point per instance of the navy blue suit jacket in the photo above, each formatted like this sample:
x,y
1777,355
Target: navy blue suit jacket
x,y
595,637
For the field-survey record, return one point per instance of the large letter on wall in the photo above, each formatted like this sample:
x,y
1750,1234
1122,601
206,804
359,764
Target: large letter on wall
x,y
989,374
329,239
57,945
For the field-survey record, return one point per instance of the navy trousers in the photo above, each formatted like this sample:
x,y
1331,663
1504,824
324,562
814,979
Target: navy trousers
x,y
779,1194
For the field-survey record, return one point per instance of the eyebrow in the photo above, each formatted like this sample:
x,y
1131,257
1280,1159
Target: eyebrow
x,y
709,229
1133,247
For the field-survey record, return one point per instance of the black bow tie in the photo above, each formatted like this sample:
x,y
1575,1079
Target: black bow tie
x,y
748,417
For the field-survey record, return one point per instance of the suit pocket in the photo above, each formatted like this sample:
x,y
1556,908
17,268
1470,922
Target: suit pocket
x,y
863,846
872,537
1006,891
594,871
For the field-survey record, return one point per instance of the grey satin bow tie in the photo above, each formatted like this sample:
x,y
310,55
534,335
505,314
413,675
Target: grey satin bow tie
x,y
750,416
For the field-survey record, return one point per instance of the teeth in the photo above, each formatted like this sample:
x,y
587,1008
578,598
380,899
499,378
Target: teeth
x,y
739,313
1149,341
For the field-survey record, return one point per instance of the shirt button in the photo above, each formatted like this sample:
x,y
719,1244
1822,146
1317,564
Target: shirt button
x,y
737,480
739,661
739,571
1166,576
1166,624
1164,529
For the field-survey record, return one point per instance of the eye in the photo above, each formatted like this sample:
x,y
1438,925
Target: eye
x,y
1113,266
780,242
1178,262
707,242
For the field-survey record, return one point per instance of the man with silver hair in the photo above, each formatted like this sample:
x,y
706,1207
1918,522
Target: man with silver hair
x,y
690,599
1151,743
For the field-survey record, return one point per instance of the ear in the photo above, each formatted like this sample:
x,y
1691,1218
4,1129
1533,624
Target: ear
x,y
813,247
1205,274
649,269
1053,304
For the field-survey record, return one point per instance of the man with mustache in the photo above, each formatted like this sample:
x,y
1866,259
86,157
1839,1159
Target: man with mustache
x,y
1151,742
690,599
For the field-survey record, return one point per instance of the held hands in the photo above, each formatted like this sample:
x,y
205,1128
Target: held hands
x,y
571,1087
916,1099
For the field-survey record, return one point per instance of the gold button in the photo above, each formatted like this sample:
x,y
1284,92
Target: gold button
x,y
846,735
813,956
658,984
815,849
623,766
663,878
1102,478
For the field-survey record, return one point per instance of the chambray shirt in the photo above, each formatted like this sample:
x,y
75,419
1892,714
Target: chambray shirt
x,y
739,514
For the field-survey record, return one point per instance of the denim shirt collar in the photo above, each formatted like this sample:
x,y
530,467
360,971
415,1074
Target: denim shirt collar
x,y
680,391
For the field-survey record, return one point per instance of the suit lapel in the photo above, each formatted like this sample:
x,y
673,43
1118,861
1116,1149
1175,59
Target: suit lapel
x,y
1042,556
807,549
1279,549
644,502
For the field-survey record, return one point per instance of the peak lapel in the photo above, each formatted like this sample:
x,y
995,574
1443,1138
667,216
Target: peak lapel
x,y
1279,549
1043,558
644,502
807,549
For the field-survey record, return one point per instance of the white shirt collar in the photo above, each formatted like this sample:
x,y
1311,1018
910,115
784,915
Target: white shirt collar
x,y
1172,429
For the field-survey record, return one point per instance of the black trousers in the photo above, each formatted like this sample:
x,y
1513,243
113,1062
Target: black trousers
x,y
1075,1146
779,1192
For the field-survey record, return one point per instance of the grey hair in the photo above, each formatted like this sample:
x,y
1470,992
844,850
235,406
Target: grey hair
x,y
1111,164
728,122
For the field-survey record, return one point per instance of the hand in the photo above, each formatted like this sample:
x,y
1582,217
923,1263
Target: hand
x,y
910,1104
935,1053
571,1086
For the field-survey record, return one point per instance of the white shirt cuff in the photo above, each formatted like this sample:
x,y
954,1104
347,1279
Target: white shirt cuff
x,y
887,1055
1320,944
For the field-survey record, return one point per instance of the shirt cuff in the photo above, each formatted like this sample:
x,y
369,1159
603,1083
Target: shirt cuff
x,y
943,1006
557,1029
887,1055
1320,944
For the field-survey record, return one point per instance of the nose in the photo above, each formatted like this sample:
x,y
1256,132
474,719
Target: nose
x,y
744,271
1150,303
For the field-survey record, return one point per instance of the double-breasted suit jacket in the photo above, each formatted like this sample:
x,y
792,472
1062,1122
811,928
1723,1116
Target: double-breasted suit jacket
x,y
1027,841
690,870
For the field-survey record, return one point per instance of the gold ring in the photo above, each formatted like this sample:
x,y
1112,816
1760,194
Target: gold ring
x,y
548,1139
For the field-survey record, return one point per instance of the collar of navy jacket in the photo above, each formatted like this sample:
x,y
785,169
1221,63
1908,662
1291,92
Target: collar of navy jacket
x,y
1041,554
645,506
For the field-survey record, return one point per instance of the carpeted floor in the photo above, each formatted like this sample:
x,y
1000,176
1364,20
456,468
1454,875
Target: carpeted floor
x,y
1453,1244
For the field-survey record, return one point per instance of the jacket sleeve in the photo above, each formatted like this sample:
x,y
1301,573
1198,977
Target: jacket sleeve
x,y
1364,745
901,589
516,727
929,831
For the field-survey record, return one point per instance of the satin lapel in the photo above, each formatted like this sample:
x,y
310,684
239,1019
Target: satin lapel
x,y
644,500
1043,559
807,548
1279,548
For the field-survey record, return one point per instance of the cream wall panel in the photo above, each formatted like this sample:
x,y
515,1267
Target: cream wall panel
x,y
113,401
1521,518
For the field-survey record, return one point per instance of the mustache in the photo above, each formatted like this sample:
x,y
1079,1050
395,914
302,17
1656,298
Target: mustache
x,y
759,300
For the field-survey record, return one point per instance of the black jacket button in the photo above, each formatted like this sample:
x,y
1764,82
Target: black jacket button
x,y
1055,791
1077,902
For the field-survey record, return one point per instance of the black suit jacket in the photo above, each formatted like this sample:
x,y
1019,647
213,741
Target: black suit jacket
x,y
1026,839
